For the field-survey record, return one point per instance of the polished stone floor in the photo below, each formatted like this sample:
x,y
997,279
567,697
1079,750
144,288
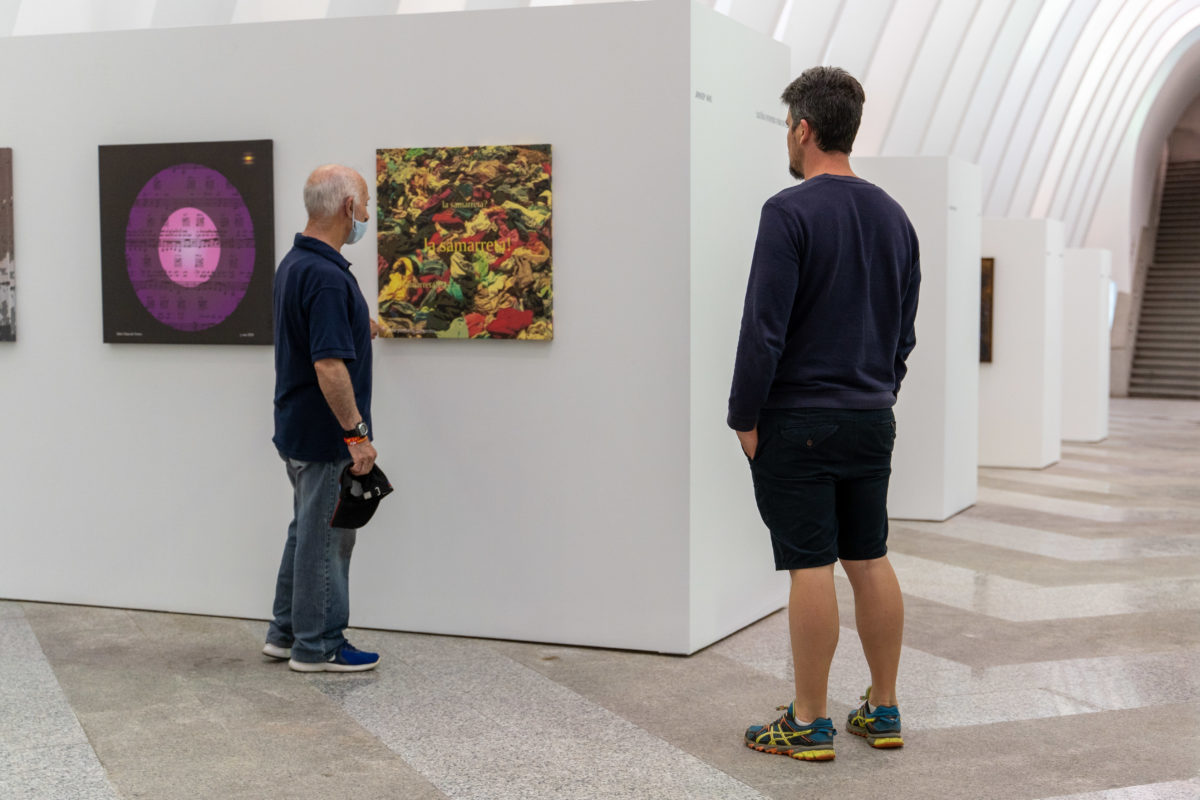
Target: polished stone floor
x,y
1052,651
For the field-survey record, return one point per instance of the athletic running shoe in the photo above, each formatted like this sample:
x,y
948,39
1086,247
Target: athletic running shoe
x,y
785,737
275,651
879,726
348,658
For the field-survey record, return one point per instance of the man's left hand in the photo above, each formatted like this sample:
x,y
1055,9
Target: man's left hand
x,y
749,440
374,329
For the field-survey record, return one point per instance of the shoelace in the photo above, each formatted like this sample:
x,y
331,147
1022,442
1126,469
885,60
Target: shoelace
x,y
832,731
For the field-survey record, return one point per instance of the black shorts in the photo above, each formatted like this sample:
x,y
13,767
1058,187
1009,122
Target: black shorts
x,y
821,483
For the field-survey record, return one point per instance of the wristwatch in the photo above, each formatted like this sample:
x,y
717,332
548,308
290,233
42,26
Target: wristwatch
x,y
358,430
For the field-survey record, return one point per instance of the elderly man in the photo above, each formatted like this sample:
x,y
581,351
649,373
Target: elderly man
x,y
323,332
826,331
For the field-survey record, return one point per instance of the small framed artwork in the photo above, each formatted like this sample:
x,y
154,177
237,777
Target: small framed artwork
x,y
8,297
985,310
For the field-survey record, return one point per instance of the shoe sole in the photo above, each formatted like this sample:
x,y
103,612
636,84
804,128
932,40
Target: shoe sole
x,y
276,652
820,754
881,742
329,666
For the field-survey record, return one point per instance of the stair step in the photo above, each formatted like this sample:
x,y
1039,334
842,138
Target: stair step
x,y
1157,338
1155,328
1167,381
1164,381
1187,373
1190,372
1166,376
1166,349
1174,384
1163,392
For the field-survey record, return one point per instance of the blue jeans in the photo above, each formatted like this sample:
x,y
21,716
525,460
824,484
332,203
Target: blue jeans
x,y
312,593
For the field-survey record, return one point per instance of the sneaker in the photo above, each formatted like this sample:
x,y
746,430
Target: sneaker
x,y
275,651
785,737
347,658
880,727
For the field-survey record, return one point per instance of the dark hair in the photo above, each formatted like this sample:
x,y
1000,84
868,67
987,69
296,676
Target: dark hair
x,y
831,100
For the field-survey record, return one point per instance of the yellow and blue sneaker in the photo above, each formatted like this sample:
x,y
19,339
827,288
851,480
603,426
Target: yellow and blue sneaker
x,y
879,726
786,737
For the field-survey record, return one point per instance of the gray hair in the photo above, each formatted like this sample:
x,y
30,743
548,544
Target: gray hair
x,y
327,188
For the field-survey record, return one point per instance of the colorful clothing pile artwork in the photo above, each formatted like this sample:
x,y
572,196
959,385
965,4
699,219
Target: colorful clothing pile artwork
x,y
464,242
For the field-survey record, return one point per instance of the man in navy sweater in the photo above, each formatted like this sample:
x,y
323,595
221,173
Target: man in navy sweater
x,y
827,326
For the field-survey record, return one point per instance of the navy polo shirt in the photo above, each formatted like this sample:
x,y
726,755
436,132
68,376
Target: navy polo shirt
x,y
319,313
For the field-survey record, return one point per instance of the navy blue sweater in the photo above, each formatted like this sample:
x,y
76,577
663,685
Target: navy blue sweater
x,y
828,320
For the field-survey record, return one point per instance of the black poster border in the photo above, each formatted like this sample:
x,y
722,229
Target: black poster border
x,y
124,170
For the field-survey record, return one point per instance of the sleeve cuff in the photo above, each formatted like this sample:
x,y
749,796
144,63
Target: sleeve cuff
x,y
344,355
740,422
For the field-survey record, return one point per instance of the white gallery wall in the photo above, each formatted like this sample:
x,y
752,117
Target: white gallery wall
x,y
738,160
1020,391
544,490
1087,278
933,467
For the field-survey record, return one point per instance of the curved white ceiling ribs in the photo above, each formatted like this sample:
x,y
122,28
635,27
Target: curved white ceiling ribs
x,y
1043,94
1040,93
962,82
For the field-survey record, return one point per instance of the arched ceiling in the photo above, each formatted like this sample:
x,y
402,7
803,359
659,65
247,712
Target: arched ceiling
x,y
1040,93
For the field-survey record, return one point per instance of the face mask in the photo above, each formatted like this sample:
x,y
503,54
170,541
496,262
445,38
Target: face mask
x,y
357,232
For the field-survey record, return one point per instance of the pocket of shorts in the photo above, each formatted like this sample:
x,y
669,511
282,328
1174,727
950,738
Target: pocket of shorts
x,y
808,436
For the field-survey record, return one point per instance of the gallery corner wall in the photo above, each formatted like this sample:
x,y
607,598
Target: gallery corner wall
x,y
544,490
738,161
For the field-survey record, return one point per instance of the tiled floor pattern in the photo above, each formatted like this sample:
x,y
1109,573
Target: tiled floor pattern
x,y
1052,653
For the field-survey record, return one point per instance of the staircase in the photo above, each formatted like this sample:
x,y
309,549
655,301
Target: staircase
x,y
1166,361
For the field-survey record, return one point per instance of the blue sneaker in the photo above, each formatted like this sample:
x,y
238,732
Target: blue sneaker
x,y
785,737
879,726
347,658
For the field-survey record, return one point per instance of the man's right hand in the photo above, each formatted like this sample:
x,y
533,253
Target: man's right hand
x,y
364,456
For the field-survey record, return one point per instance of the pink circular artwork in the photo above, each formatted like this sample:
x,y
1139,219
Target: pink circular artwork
x,y
189,247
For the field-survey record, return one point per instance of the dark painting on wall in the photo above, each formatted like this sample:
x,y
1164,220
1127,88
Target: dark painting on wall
x,y
187,242
985,311
464,242
8,289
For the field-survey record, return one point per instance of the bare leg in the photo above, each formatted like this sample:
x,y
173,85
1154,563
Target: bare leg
x,y
879,614
813,622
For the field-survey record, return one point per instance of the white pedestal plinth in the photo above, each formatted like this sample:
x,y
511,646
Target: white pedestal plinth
x,y
1020,392
934,466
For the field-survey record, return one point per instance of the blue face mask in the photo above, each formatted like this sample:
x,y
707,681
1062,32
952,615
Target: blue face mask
x,y
357,232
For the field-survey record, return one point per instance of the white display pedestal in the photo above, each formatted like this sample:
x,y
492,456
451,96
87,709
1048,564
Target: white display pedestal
x,y
734,111
1020,392
582,491
1087,278
934,466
